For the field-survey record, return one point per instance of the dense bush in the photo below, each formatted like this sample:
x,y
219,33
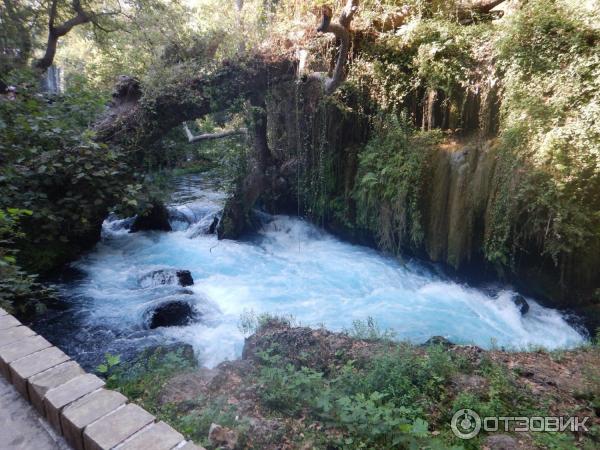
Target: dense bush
x,y
52,167
19,291
549,179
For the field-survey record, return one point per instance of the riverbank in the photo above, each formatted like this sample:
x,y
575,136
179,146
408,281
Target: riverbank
x,y
301,388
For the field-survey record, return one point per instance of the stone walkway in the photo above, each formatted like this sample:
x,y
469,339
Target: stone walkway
x,y
21,427
75,403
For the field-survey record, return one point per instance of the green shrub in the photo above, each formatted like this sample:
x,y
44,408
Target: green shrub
x,y
548,175
390,172
381,405
142,379
19,291
369,330
52,167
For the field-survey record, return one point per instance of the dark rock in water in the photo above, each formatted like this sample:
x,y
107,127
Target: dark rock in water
x,y
213,226
172,313
167,276
154,219
184,277
521,303
438,340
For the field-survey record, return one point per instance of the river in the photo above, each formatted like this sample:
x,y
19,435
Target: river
x,y
289,267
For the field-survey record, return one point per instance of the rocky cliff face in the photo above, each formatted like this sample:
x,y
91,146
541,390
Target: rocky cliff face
x,y
316,145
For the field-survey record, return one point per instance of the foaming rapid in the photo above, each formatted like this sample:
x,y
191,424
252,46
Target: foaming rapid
x,y
290,268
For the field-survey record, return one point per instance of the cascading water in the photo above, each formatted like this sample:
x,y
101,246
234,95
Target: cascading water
x,y
288,268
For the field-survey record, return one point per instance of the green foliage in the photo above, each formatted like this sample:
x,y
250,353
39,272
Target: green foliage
x,y
285,388
142,379
52,166
548,178
17,21
545,194
109,366
388,192
196,425
434,53
19,291
369,330
503,397
544,36
381,405
250,322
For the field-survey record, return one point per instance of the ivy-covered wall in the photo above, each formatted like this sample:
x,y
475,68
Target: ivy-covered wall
x,y
465,145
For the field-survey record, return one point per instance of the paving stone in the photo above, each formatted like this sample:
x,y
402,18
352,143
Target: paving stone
x,y
27,346
24,368
114,428
8,322
2,312
12,335
158,436
38,385
81,413
59,397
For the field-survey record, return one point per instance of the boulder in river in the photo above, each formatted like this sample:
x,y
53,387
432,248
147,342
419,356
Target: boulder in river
x,y
165,277
154,219
521,303
171,313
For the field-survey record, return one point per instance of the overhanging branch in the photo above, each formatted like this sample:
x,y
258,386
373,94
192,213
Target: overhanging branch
x,y
341,30
211,136
55,32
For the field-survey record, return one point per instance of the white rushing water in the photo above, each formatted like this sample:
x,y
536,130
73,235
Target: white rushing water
x,y
290,267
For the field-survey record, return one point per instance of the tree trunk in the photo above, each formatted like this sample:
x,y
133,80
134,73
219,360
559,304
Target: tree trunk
x,y
133,124
341,31
56,32
46,61
237,212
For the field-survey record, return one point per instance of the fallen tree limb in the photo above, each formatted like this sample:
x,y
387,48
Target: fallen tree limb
x,y
211,136
134,124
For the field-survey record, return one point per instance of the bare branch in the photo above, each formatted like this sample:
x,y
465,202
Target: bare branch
x,y
211,136
342,33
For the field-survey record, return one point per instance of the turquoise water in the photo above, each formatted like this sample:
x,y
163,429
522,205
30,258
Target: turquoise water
x,y
289,267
